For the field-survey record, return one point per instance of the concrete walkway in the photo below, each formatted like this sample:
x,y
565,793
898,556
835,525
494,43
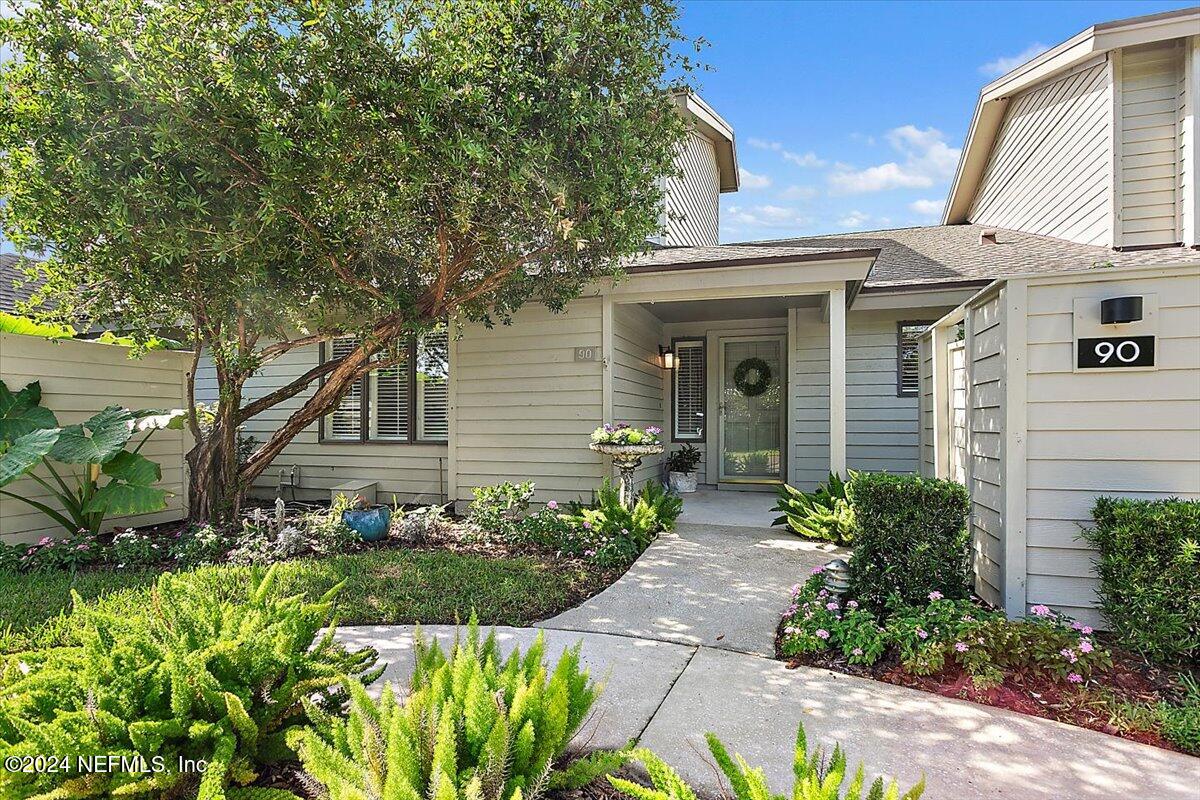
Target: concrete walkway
x,y
681,643
704,585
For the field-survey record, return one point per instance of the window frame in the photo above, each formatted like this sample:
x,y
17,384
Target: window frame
x,y
703,344
364,423
900,326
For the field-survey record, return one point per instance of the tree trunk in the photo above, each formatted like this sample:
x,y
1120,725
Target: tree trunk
x,y
214,494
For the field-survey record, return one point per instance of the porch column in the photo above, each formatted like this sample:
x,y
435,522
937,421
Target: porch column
x,y
837,381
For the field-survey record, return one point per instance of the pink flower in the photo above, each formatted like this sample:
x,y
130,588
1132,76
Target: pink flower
x,y
1086,630
82,547
552,505
587,526
1085,646
589,553
45,540
817,570
1069,655
796,590
831,606
935,595
856,651
1040,611
921,634
1075,677
962,647
851,604
808,615
821,633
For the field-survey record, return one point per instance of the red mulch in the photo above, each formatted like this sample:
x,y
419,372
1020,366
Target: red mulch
x,y
1130,679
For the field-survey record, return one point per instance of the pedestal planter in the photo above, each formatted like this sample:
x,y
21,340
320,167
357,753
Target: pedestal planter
x,y
627,458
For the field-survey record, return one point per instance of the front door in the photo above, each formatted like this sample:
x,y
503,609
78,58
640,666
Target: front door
x,y
752,405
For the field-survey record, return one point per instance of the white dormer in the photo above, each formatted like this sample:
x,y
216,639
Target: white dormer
x,y
1094,141
707,162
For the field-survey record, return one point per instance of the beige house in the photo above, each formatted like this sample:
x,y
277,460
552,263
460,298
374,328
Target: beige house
x,y
793,358
1085,155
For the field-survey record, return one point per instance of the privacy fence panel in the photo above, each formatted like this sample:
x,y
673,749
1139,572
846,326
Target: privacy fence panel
x,y
80,378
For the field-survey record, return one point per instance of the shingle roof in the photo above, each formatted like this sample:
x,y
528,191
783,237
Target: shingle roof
x,y
930,255
14,286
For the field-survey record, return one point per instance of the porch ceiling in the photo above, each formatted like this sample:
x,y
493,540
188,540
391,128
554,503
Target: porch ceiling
x,y
733,308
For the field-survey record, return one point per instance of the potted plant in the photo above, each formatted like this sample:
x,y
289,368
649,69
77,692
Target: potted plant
x,y
681,469
627,446
370,522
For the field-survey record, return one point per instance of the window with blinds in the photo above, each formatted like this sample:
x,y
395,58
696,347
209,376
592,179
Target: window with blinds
x,y
407,402
689,390
390,403
433,368
345,423
908,363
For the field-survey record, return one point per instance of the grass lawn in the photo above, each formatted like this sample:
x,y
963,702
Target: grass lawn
x,y
382,586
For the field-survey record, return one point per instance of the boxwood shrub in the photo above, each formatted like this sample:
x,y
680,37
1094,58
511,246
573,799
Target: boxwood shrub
x,y
910,539
1149,569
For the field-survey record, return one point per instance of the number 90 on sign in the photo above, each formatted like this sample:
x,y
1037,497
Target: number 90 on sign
x,y
1115,352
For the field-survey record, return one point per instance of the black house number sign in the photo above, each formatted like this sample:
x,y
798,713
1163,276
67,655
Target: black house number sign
x,y
1115,352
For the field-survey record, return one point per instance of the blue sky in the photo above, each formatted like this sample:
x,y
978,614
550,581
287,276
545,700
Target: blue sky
x,y
850,116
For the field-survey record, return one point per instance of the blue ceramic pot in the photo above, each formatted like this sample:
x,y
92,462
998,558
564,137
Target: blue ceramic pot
x,y
371,523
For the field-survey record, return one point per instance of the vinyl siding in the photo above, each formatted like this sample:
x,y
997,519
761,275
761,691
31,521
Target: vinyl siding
x,y
882,430
693,198
523,406
1060,128
1151,100
409,472
637,377
985,418
78,380
1128,433
928,465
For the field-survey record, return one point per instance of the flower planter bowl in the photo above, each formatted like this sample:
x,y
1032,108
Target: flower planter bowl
x,y
682,482
371,524
627,457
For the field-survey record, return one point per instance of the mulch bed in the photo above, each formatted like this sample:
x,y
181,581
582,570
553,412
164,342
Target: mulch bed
x,y
1130,679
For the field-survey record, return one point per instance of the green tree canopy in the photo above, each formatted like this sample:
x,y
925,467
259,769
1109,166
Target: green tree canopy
x,y
269,174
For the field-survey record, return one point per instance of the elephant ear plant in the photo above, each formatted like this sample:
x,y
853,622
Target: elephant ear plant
x,y
85,454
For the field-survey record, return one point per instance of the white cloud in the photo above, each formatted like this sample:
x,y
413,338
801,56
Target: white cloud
x,y
795,192
807,159
927,208
927,160
1005,64
855,219
752,181
765,216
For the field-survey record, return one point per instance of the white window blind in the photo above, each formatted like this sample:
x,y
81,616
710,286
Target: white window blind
x,y
690,391
389,403
433,368
908,360
345,422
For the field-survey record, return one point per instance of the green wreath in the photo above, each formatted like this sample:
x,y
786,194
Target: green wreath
x,y
752,377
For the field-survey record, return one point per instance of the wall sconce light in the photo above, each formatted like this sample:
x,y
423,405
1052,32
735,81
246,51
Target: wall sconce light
x,y
1120,310
666,356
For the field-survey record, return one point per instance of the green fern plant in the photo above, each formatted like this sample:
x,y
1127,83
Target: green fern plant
x,y
816,777
194,676
475,726
826,514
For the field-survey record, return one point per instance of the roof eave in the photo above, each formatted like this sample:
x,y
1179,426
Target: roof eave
x,y
714,128
993,98
754,261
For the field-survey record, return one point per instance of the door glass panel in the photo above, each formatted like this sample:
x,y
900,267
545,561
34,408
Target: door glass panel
x,y
751,409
